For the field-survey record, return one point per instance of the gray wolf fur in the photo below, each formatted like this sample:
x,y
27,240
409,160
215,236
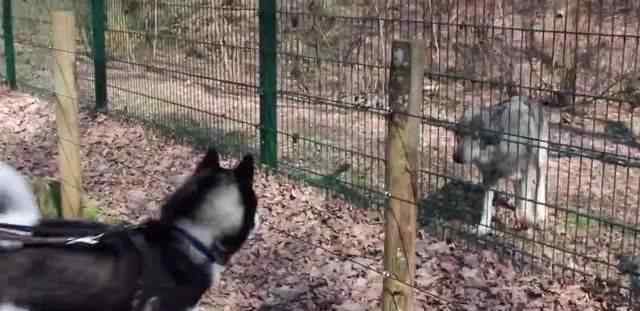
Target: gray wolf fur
x,y
507,141
630,265
163,264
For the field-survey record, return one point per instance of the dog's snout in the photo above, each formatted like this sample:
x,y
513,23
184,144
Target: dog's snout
x,y
457,158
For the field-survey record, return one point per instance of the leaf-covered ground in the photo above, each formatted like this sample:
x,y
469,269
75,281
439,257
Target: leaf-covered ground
x,y
312,252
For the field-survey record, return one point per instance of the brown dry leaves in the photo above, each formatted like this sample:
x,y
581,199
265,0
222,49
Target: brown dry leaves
x,y
311,253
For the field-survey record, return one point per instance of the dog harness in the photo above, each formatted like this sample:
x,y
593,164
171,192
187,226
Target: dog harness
x,y
154,280
20,233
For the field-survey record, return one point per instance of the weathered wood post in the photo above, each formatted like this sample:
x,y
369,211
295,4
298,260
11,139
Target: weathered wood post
x,y
405,100
64,50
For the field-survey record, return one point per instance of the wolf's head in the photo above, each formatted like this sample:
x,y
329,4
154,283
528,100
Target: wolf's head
x,y
484,135
215,205
475,141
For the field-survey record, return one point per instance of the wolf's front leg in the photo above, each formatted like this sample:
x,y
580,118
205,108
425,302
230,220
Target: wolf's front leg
x,y
488,211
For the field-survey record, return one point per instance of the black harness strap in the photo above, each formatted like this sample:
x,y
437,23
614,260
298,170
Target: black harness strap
x,y
27,236
154,275
16,228
24,234
29,240
155,278
214,253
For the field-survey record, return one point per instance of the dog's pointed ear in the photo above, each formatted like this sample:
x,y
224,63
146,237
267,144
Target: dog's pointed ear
x,y
211,161
245,169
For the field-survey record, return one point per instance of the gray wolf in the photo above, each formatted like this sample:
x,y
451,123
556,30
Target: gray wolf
x,y
161,264
630,265
508,141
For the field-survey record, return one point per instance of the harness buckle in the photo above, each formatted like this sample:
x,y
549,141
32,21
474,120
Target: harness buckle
x,y
91,240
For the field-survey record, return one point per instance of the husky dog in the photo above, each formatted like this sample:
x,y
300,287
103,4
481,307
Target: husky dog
x,y
507,141
162,264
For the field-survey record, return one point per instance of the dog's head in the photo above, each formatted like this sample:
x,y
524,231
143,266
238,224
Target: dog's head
x,y
475,141
216,205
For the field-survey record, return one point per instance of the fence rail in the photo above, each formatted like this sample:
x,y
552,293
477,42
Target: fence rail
x,y
305,85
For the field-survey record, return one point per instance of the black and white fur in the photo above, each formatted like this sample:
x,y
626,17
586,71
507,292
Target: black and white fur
x,y
214,209
17,202
507,141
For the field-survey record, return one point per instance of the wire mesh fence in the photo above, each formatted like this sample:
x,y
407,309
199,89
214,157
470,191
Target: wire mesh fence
x,y
579,56
197,69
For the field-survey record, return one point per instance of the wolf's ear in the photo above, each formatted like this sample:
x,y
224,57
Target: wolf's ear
x,y
244,170
211,161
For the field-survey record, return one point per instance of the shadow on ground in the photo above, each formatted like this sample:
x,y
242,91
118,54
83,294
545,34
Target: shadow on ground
x,y
456,201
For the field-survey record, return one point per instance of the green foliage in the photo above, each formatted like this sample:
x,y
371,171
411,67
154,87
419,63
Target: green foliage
x,y
49,200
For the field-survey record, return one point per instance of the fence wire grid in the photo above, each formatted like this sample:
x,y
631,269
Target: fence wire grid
x,y
194,68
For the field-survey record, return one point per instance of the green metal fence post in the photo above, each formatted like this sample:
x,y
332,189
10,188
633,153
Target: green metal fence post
x,y
9,48
268,83
99,54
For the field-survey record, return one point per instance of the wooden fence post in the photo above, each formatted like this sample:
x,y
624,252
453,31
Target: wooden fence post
x,y
64,49
405,99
